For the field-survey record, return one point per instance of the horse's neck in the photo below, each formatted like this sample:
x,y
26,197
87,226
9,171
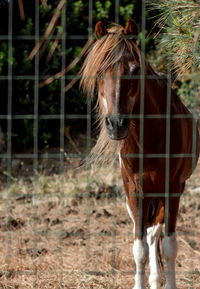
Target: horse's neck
x,y
155,93
154,103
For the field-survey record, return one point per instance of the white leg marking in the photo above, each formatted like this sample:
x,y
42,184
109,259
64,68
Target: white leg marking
x,y
152,240
169,246
140,253
105,104
131,216
120,160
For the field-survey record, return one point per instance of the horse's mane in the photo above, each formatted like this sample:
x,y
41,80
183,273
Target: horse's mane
x,y
104,54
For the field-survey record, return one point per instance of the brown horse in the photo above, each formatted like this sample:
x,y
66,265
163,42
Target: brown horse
x,y
157,140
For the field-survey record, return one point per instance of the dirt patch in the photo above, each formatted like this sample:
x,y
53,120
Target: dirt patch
x,y
72,231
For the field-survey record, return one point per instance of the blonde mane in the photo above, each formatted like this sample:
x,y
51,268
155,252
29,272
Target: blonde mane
x,y
104,54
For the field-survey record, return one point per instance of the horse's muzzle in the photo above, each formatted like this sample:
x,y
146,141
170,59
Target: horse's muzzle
x,y
117,126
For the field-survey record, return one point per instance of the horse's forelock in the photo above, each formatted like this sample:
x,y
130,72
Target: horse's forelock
x,y
104,54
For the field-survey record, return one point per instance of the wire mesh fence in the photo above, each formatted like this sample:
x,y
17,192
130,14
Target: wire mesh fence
x,y
70,229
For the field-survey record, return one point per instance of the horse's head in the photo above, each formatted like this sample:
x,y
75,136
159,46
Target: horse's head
x,y
117,93
118,86
114,63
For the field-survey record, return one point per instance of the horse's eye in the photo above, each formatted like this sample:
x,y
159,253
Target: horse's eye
x,y
134,68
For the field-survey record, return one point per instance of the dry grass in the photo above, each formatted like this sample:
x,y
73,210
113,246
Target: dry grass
x,y
73,231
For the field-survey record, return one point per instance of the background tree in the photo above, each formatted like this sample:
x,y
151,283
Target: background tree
x,y
177,42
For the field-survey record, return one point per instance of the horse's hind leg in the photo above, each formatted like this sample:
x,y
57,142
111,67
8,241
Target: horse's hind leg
x,y
153,234
169,244
156,218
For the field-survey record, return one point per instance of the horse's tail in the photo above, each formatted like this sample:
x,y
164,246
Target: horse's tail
x,y
159,251
155,207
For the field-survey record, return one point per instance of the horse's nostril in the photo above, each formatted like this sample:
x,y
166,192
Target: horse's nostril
x,y
108,122
126,122
123,122
120,122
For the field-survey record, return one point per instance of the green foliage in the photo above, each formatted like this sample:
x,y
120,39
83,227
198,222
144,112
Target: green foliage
x,y
28,131
77,23
3,55
78,8
46,137
43,11
144,37
27,65
5,59
126,11
28,29
102,11
188,91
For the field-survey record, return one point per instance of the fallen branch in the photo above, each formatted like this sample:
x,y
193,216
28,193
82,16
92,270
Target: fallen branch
x,y
21,9
68,68
45,45
49,29
44,3
53,47
72,82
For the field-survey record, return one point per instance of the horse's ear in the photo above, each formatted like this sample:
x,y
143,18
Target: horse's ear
x,y
100,30
131,29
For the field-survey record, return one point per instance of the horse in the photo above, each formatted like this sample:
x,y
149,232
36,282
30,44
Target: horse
x,y
142,119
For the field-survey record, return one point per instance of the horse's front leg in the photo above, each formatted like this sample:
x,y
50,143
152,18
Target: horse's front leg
x,y
140,247
140,253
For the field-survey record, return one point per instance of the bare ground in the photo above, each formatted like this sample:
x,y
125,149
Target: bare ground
x,y
73,231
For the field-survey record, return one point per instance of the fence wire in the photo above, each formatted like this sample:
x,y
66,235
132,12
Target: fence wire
x,y
36,156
